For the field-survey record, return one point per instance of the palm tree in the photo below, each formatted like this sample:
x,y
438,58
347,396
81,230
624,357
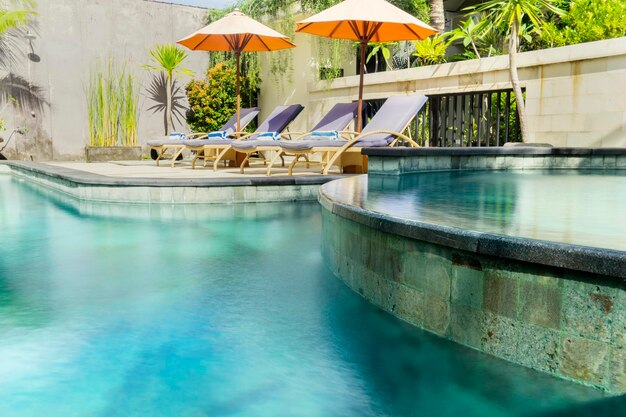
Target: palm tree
x,y
168,59
509,14
437,15
15,18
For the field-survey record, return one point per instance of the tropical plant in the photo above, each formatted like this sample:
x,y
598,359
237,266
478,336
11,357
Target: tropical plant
x,y
432,50
385,49
214,100
437,15
168,59
469,32
510,15
584,21
112,111
15,18
15,13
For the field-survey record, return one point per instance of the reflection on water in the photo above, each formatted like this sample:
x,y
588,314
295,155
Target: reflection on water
x,y
575,207
229,313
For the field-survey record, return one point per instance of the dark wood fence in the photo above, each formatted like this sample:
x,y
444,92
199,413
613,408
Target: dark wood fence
x,y
486,118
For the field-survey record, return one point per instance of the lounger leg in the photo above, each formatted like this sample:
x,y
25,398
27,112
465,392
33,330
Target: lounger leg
x,y
293,164
220,156
193,162
160,155
279,154
242,167
178,152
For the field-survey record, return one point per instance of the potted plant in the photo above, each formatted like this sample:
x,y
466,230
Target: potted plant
x,y
112,112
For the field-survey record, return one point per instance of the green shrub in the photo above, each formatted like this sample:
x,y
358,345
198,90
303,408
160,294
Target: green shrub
x,y
585,21
432,50
213,101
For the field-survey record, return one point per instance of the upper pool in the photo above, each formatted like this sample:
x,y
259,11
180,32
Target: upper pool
x,y
111,310
574,207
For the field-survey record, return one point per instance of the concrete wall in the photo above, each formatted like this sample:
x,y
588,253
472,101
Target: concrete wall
x,y
72,36
576,95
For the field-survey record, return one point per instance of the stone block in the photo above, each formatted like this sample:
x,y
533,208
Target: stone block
x,y
538,348
427,272
499,336
619,319
540,305
408,304
500,294
588,310
436,315
584,359
466,325
618,370
467,286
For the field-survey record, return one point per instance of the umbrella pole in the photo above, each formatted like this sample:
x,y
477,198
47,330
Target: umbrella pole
x,y
238,55
359,124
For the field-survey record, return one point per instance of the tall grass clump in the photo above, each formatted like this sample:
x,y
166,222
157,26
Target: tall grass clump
x,y
112,110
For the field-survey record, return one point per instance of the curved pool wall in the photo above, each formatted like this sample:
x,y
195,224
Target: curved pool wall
x,y
87,186
553,307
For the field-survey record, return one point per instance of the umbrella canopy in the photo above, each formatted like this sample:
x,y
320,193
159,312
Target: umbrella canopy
x,y
238,33
365,21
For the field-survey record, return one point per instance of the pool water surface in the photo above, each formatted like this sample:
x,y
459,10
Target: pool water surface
x,y
219,311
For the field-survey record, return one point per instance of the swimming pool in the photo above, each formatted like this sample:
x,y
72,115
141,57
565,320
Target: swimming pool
x,y
216,312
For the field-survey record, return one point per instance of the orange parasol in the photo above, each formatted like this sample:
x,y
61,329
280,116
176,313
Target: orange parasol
x,y
365,21
238,33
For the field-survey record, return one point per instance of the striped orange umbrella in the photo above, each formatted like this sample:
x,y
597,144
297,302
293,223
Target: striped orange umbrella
x,y
238,33
365,21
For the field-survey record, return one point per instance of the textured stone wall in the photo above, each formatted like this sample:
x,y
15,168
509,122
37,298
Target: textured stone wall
x,y
390,165
562,322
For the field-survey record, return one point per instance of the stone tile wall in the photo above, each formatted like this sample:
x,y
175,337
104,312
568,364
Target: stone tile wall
x,y
562,322
390,165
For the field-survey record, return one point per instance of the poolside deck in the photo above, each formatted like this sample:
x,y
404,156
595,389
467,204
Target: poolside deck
x,y
148,169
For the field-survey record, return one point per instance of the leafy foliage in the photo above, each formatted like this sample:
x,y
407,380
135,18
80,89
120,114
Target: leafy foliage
x,y
585,21
168,58
15,13
214,100
432,50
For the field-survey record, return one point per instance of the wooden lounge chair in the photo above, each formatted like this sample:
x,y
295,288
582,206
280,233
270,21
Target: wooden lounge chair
x,y
221,149
171,147
336,120
385,129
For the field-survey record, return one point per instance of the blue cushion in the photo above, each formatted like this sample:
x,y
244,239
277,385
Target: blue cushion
x,y
268,135
178,135
220,134
325,135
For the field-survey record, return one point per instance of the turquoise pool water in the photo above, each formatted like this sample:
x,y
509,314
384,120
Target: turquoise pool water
x,y
112,310
565,206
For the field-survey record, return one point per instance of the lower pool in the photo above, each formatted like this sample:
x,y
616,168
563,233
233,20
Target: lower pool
x,y
213,311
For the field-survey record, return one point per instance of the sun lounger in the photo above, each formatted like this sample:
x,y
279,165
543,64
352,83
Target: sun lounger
x,y
174,142
337,119
221,149
385,129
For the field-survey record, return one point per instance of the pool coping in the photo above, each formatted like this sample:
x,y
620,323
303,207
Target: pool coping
x,y
608,262
89,186
521,150
90,178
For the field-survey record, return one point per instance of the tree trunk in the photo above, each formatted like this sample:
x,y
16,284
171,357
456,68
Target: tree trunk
x,y
519,98
437,15
168,105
